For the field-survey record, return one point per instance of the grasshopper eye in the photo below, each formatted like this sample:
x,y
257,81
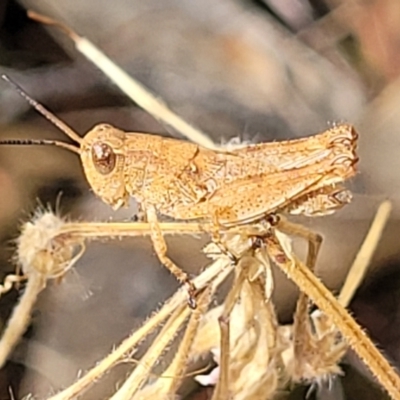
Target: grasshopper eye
x,y
103,157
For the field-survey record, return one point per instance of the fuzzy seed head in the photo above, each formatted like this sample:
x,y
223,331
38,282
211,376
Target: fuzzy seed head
x,y
42,249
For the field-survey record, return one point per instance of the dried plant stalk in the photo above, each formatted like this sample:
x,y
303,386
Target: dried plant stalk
x,y
364,255
217,272
320,344
356,338
143,369
168,384
130,86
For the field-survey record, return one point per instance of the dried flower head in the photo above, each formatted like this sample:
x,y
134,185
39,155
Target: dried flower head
x,y
43,253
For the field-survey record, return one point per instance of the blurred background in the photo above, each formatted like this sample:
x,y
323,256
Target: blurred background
x,y
256,70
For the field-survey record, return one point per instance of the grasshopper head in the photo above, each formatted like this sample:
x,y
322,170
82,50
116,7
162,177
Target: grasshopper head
x,y
103,161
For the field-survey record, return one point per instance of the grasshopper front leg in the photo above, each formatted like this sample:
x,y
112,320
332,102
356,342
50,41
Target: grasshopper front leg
x,y
160,247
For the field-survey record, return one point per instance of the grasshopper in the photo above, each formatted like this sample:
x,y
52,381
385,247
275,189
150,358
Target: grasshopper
x,y
185,181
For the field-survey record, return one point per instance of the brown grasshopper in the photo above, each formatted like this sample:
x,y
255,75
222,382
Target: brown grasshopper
x,y
228,188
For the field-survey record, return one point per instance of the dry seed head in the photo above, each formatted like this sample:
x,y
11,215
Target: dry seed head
x,y
323,350
43,253
42,249
254,371
254,349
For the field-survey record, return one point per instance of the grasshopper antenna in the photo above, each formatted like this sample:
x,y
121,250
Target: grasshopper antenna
x,y
49,116
40,142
